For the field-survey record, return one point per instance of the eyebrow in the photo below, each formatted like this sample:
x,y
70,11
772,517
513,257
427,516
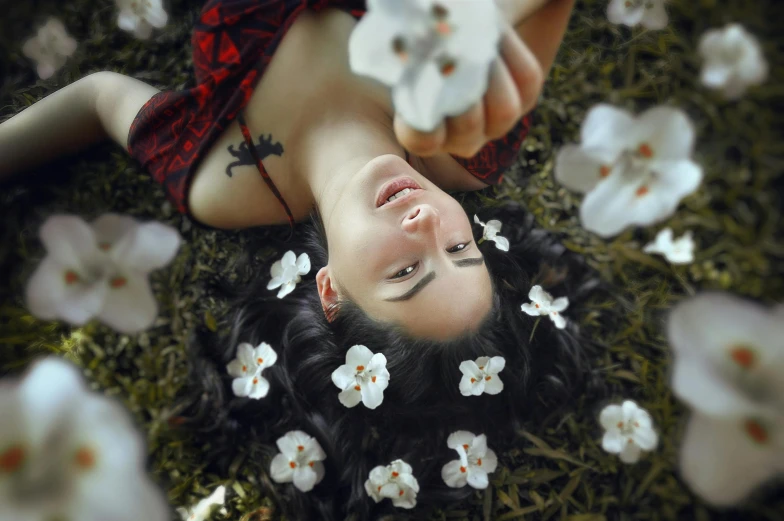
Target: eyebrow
x,y
427,279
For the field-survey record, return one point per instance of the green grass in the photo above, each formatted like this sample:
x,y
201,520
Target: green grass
x,y
557,470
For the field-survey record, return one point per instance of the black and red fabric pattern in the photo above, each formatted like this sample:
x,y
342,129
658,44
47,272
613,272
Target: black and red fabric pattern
x,y
233,43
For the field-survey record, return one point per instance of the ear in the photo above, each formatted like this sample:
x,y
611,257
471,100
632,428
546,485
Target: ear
x,y
327,293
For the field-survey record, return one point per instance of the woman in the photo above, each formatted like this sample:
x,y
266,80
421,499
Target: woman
x,y
404,277
328,155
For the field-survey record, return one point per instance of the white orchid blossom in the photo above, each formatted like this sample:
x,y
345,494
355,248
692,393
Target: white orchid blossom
x,y
363,378
733,60
100,270
628,431
287,272
648,13
481,376
140,16
542,303
204,509
475,461
729,368
64,451
299,461
50,48
491,231
678,251
635,170
246,370
396,481
434,54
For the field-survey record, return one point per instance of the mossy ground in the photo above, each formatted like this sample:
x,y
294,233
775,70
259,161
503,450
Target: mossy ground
x,y
557,470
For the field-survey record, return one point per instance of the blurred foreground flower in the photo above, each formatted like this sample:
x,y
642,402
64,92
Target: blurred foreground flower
x,y
648,13
140,16
729,368
628,431
69,454
396,481
678,251
635,170
100,269
436,55
475,461
49,48
204,508
733,60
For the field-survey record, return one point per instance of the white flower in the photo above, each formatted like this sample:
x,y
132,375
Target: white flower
x,y
481,376
204,508
287,272
542,303
729,368
491,231
100,270
396,481
247,367
650,13
475,463
140,16
363,378
435,54
64,451
678,251
635,169
299,461
733,60
49,48
628,431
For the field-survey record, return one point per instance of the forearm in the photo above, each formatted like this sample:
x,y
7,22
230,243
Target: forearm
x,y
60,124
543,29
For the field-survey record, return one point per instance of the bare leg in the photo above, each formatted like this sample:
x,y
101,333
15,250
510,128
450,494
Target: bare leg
x,y
86,112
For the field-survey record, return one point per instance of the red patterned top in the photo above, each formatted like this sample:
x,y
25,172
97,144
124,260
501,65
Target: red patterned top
x,y
233,42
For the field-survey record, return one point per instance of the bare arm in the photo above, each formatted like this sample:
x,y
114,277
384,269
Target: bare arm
x,y
86,112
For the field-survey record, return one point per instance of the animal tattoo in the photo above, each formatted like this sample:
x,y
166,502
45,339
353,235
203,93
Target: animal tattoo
x,y
243,156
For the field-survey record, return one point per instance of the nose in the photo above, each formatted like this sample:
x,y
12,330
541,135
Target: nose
x,y
421,219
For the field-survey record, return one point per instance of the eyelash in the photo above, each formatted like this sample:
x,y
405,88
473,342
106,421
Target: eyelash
x,y
404,272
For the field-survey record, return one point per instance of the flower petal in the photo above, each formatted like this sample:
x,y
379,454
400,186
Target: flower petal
x,y
493,384
416,98
129,308
127,20
453,476
558,320
655,17
489,461
147,247
459,439
613,441
242,387
109,228
259,388
669,132
280,470
495,365
372,395
304,478
303,264
646,439
477,478
344,376
156,17
371,51
358,355
266,353
720,462
286,288
530,309
502,243
579,170
610,416
605,130
350,397
630,453
49,296
559,304
69,240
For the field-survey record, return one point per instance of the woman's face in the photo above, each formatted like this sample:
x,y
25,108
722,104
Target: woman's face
x,y
412,261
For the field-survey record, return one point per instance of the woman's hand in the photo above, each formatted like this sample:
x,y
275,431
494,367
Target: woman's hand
x,y
516,79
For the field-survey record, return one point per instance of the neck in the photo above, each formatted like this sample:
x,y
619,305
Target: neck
x,y
338,142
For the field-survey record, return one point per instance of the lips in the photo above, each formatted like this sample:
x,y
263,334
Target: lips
x,y
394,186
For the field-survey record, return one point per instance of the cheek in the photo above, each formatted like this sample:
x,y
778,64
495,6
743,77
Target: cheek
x,y
363,252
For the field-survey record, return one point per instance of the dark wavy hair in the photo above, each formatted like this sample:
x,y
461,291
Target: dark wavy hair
x,y
545,368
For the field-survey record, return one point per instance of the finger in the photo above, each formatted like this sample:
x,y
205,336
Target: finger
x,y
419,143
502,103
525,69
465,134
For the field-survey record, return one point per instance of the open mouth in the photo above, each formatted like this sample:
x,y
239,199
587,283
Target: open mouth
x,y
396,189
